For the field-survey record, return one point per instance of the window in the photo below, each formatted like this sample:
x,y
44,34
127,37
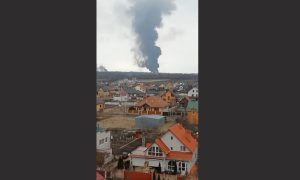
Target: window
x,y
171,137
182,148
171,148
171,165
106,139
182,166
155,151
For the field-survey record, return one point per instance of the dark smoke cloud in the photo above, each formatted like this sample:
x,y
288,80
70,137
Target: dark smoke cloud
x,y
146,17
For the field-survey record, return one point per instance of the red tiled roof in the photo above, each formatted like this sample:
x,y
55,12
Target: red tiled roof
x,y
148,145
184,136
123,92
99,176
194,169
180,155
153,101
162,145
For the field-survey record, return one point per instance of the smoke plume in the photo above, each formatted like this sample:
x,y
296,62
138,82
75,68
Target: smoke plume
x,y
101,68
146,17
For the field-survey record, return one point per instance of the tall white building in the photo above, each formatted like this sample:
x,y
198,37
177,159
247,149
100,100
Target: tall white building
x,y
103,143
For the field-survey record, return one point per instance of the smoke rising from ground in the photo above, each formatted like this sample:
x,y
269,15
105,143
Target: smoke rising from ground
x,y
146,17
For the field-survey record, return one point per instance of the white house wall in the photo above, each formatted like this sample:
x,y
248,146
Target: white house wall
x,y
195,93
138,162
103,135
155,145
175,143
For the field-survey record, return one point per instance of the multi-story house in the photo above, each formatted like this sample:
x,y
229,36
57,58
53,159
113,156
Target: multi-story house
x,y
192,112
193,93
103,145
174,151
169,97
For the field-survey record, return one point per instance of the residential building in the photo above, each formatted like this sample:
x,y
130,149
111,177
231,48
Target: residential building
x,y
103,145
169,97
174,151
150,105
103,93
192,112
123,96
100,105
193,93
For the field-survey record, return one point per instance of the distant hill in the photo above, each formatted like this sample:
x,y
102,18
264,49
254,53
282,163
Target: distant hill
x,y
116,75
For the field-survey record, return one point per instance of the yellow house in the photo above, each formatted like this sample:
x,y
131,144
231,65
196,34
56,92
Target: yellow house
x,y
192,112
102,94
169,97
170,85
99,105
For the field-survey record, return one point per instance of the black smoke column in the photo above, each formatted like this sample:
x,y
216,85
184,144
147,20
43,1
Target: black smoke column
x,y
146,17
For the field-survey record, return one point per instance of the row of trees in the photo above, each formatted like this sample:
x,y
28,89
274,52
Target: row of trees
x,y
112,76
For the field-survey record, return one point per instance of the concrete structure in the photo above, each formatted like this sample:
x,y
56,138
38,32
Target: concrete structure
x,y
176,149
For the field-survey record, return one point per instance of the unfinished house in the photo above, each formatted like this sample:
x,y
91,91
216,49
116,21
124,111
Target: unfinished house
x,y
169,97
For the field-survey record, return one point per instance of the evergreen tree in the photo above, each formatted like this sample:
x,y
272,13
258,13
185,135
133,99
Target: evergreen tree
x,y
120,163
154,176
175,168
159,168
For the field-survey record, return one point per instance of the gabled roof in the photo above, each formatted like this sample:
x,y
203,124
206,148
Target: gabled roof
x,y
192,105
167,92
184,136
162,145
134,91
153,101
122,92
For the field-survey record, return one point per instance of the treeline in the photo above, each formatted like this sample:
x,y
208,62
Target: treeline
x,y
115,75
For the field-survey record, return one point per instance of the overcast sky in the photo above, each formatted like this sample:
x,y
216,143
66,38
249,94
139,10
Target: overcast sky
x,y
178,38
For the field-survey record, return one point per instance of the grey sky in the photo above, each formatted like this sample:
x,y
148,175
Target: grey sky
x,y
178,38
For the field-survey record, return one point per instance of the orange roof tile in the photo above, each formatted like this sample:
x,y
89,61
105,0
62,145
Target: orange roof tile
x,y
162,145
180,155
194,169
148,145
153,101
184,136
